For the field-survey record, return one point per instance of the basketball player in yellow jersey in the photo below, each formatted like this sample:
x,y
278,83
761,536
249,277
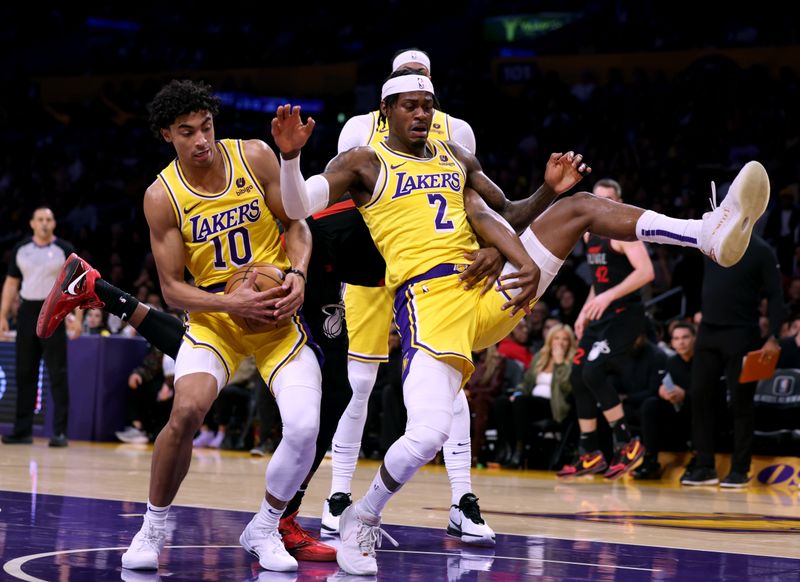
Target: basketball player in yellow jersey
x,y
369,317
423,202
211,211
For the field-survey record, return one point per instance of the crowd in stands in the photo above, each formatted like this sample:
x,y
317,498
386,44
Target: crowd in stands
x,y
663,136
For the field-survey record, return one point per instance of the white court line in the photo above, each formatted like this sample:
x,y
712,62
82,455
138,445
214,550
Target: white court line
x,y
488,557
14,567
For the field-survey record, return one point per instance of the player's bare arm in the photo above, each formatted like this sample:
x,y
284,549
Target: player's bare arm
x,y
265,165
562,173
298,249
355,171
485,264
10,291
642,274
490,226
166,242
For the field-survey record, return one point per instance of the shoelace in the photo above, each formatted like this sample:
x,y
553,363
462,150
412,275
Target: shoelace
x,y
713,199
471,510
152,536
369,536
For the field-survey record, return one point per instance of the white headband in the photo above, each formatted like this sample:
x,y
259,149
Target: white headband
x,y
406,84
411,57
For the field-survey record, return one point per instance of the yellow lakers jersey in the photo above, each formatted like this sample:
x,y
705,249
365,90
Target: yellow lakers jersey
x,y
440,128
416,214
226,230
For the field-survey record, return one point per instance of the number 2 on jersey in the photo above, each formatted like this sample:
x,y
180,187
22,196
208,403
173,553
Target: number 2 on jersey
x,y
441,222
238,247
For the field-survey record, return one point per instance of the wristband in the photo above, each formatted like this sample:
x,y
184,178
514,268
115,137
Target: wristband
x,y
296,272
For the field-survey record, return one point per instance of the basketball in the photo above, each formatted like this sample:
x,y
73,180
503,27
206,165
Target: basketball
x,y
268,276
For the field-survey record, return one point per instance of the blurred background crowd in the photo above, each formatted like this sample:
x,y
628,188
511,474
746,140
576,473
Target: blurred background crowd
x,y
662,97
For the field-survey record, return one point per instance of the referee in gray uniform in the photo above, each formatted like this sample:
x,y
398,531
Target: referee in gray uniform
x,y
32,271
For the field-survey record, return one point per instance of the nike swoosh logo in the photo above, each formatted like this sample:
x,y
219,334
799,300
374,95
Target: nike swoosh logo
x,y
593,462
394,167
188,210
72,287
632,454
459,452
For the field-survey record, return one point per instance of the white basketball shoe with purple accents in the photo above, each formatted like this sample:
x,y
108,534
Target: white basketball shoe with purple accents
x,y
726,230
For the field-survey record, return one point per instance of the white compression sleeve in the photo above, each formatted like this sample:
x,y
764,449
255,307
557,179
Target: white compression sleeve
x,y
301,198
356,132
461,133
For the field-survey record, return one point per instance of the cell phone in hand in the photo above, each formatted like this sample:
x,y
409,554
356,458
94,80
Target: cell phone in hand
x,y
670,386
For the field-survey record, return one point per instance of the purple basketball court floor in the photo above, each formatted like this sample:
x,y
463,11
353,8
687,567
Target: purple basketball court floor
x,y
56,538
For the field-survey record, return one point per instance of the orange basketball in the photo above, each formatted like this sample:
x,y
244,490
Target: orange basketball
x,y
268,276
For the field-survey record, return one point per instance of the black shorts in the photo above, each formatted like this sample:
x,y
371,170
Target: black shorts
x,y
343,247
611,336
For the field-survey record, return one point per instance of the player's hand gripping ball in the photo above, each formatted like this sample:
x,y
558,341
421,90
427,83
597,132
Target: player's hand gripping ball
x,y
268,276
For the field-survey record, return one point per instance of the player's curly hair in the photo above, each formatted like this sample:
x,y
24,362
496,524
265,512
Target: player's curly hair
x,y
392,99
179,97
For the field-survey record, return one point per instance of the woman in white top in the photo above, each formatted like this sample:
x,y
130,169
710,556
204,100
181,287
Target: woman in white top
x,y
544,389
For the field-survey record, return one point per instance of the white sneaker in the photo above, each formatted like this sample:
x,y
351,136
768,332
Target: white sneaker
x,y
145,548
267,546
467,524
726,230
356,555
216,442
132,435
201,441
332,510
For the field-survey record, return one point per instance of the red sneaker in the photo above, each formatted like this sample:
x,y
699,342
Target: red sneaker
x,y
301,544
626,459
73,288
586,464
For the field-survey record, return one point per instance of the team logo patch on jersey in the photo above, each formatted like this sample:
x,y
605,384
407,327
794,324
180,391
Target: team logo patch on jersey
x,y
598,348
334,322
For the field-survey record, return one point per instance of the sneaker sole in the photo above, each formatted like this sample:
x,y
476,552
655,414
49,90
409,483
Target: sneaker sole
x,y
700,483
141,565
733,485
749,193
328,529
634,465
249,549
592,471
471,540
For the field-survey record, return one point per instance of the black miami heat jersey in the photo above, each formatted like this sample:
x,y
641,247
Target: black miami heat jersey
x,y
609,268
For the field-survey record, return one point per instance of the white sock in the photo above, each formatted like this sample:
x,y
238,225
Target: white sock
x,y
458,450
659,228
157,515
378,495
344,459
268,516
